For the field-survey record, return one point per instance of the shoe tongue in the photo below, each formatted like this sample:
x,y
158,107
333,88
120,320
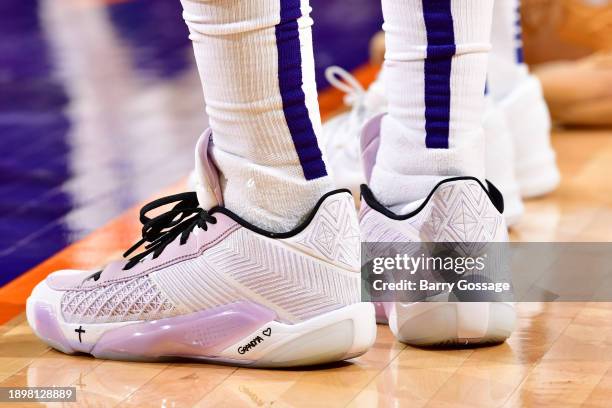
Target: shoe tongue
x,y
208,187
370,141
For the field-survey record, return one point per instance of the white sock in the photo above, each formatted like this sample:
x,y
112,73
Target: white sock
x,y
435,89
258,78
506,64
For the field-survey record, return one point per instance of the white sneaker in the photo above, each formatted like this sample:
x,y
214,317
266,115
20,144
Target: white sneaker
x,y
499,161
210,286
458,210
341,133
341,139
529,123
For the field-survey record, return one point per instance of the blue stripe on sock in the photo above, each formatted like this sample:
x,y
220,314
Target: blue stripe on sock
x,y
520,56
440,50
294,100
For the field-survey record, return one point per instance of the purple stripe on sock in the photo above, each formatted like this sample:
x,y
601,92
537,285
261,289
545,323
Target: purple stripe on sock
x,y
294,100
438,64
520,56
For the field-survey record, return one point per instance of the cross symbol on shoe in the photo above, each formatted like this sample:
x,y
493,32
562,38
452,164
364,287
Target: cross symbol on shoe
x,y
80,331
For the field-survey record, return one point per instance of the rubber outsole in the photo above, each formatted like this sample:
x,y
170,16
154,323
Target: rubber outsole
x,y
452,324
241,334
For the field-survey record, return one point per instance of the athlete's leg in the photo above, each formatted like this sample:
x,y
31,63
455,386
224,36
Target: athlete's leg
x,y
435,71
256,64
519,96
507,67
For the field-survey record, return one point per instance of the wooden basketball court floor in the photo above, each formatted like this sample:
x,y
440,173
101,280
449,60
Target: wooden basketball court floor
x,y
560,354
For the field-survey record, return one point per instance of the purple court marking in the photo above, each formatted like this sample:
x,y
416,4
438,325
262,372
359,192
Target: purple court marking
x,y
157,37
70,161
33,147
63,175
294,100
335,21
438,66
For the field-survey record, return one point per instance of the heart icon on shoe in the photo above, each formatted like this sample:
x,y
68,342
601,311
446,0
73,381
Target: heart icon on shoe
x,y
267,332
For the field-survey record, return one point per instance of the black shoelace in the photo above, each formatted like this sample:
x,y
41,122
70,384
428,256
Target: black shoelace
x,y
158,232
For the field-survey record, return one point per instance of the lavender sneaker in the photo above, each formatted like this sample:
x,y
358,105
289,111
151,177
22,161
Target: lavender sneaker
x,y
210,286
459,211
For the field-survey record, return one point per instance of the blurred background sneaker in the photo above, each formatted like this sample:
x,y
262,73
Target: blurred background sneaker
x,y
341,133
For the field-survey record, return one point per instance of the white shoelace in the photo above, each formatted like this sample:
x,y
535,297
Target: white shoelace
x,y
364,104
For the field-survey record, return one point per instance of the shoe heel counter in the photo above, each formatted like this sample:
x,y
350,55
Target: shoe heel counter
x,y
462,211
463,215
333,234
331,241
458,225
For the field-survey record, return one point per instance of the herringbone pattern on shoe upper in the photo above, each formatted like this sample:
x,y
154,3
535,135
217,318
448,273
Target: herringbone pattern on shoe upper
x,y
311,273
300,277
